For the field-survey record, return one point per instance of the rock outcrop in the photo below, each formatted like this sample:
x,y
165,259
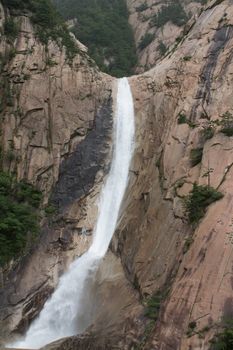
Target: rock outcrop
x,y
154,235
155,249
159,39
57,123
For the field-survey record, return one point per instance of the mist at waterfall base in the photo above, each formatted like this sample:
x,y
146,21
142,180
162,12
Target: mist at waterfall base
x,y
65,314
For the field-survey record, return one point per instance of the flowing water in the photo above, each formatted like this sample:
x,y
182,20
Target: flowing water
x,y
64,313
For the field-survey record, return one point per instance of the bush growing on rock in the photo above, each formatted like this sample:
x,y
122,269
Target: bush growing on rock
x,y
162,48
11,29
182,118
227,124
207,132
196,156
224,339
18,216
173,12
153,305
198,200
145,41
142,7
48,23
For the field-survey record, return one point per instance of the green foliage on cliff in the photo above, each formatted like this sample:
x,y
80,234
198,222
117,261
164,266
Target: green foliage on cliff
x,y
227,124
146,40
198,200
224,339
11,29
19,202
102,25
162,48
173,12
48,22
153,305
202,2
196,156
17,4
142,7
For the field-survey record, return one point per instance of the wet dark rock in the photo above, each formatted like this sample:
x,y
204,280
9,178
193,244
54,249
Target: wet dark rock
x,y
78,171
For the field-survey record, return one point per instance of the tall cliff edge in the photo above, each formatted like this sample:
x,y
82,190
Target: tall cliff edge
x,y
165,283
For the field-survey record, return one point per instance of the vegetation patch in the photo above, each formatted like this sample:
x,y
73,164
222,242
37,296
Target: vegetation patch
x,y
146,335
207,132
202,2
227,124
142,7
11,29
191,327
162,48
173,12
187,244
145,41
183,119
198,200
102,25
187,58
19,203
196,156
48,23
7,91
192,330
224,339
153,306
50,210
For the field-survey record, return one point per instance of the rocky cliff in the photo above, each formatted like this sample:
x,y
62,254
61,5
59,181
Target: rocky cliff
x,y
166,282
57,125
159,25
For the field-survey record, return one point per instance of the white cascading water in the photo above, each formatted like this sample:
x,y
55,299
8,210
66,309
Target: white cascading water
x,y
64,313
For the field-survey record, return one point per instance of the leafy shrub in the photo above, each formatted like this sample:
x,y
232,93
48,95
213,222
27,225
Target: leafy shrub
x,y
182,119
207,132
192,325
187,244
10,156
198,200
202,2
11,29
153,306
227,124
145,41
142,7
50,210
162,48
17,4
18,216
191,328
196,156
173,12
187,58
224,339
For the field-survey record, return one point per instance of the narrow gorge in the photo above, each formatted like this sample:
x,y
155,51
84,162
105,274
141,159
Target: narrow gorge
x,y
116,196
63,314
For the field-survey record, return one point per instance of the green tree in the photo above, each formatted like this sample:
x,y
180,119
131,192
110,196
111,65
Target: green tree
x,y
102,25
18,216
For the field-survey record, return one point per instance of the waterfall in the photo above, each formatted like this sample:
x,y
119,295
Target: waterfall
x,y
63,314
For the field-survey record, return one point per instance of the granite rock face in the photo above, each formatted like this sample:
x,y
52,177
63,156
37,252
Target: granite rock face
x,y
163,37
154,248
58,126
